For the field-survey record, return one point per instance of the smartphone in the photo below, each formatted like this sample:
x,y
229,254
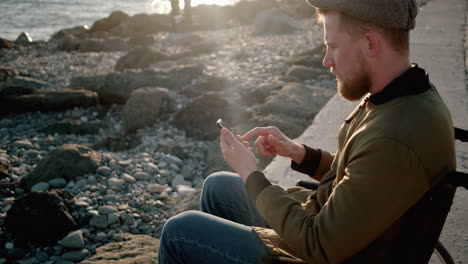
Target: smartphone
x,y
220,123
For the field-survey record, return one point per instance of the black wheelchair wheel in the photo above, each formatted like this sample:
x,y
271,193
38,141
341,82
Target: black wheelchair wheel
x,y
442,255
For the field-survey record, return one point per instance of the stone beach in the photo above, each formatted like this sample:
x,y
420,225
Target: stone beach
x,y
115,124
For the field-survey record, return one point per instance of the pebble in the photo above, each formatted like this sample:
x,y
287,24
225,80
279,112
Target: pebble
x,y
156,188
41,256
104,171
128,178
7,123
31,153
141,175
113,218
76,255
183,189
99,221
23,144
107,209
73,240
179,180
3,261
41,186
115,182
9,245
101,237
57,183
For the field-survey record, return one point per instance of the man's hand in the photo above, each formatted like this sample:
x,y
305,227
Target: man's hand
x,y
271,141
237,154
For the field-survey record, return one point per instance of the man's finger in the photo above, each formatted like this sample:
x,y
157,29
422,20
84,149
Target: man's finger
x,y
260,143
258,131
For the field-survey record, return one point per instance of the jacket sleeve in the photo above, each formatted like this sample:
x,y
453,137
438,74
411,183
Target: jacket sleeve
x,y
381,181
316,163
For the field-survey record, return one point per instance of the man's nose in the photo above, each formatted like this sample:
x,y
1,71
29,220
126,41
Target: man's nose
x,y
327,61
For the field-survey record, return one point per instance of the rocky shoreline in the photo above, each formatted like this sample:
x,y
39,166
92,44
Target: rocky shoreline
x,y
114,124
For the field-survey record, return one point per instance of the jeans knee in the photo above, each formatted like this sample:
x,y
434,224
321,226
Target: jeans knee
x,y
174,227
215,185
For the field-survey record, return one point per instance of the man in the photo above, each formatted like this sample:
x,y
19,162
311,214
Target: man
x,y
175,9
392,149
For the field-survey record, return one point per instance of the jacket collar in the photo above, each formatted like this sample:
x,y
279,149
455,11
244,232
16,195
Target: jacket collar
x,y
414,81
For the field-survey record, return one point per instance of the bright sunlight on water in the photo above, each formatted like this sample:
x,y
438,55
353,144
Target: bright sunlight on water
x,y
41,18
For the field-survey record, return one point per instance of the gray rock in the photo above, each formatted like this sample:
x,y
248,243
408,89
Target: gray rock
x,y
9,245
128,178
57,183
73,240
3,260
23,39
67,161
100,237
106,24
179,180
101,45
104,171
99,221
144,108
31,153
6,123
107,209
42,216
274,22
140,58
46,101
115,88
113,218
41,186
41,256
197,117
73,127
76,255
115,183
141,175
27,82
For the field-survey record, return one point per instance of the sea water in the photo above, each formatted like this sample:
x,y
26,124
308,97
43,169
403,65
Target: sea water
x,y
41,18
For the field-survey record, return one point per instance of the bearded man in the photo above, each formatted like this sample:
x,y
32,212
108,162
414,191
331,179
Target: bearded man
x,y
392,149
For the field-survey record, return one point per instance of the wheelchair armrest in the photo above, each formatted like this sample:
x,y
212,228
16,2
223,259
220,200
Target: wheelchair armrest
x,y
311,185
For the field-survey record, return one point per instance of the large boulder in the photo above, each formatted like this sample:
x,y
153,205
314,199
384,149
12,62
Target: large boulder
x,y
48,101
72,127
67,161
142,249
99,45
25,82
42,216
78,32
106,24
7,44
140,58
274,22
143,23
144,108
291,108
198,118
116,87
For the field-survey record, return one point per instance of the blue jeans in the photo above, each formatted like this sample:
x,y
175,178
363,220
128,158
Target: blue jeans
x,y
221,232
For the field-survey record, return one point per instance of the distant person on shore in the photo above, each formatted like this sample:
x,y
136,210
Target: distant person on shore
x,y
175,10
392,149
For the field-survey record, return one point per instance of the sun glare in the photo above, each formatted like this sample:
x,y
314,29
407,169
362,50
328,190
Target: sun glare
x,y
159,6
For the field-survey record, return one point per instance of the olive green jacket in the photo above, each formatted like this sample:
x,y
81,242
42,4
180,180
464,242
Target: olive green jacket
x,y
393,147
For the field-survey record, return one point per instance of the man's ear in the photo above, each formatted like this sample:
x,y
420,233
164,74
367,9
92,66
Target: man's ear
x,y
372,44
